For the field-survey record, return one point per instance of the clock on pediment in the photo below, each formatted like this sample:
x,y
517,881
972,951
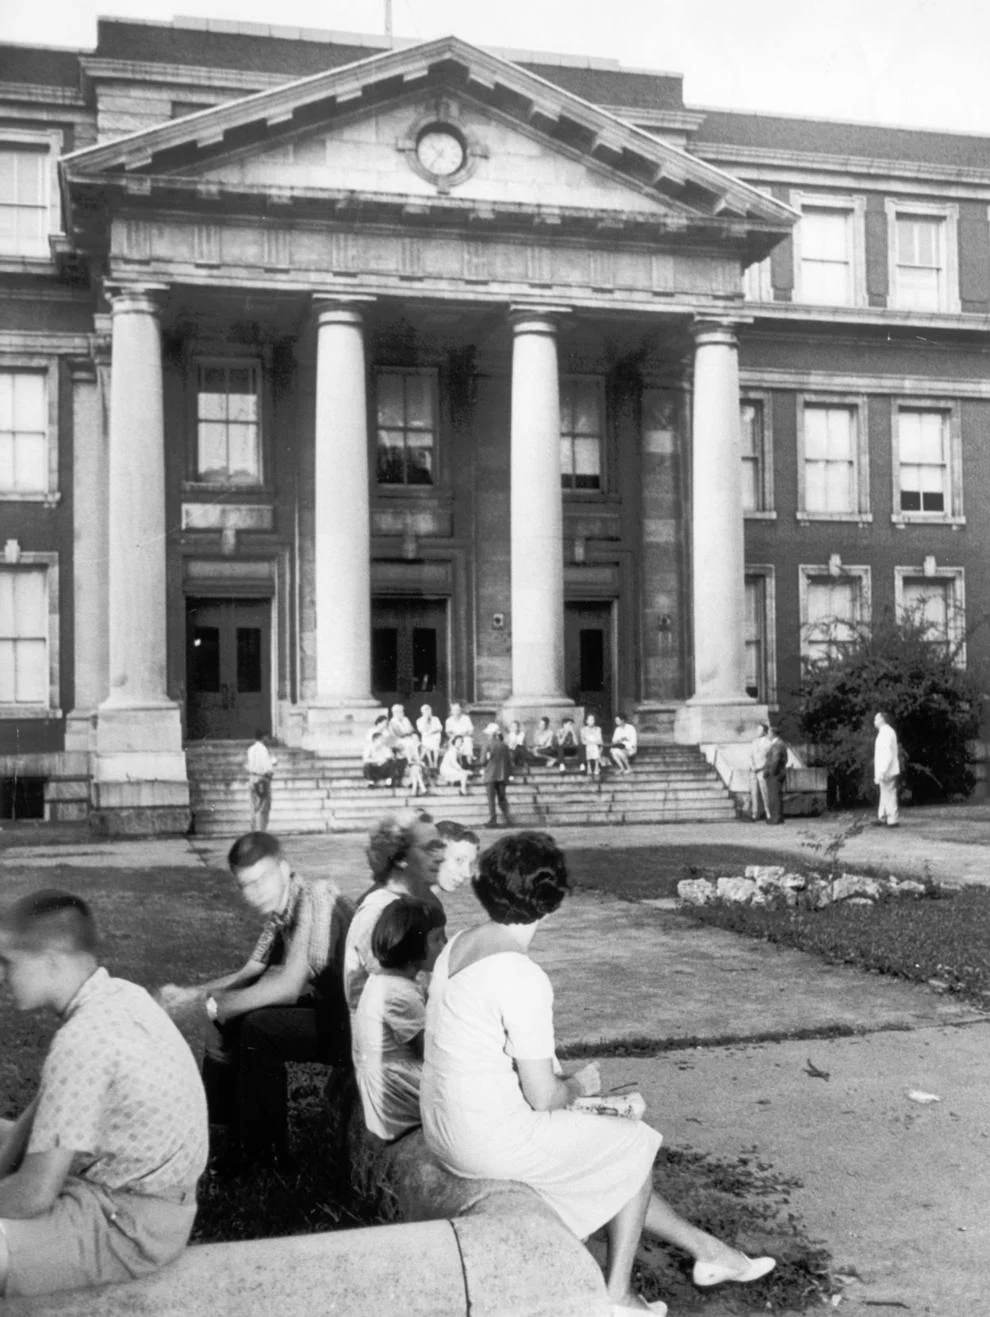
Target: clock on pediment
x,y
440,149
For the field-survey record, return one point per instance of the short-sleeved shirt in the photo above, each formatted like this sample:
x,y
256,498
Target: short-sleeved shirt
x,y
390,1014
318,904
359,960
120,1086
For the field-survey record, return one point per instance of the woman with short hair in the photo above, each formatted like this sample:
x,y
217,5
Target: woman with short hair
x,y
494,1107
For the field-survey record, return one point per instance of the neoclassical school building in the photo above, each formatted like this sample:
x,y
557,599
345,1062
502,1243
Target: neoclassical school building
x,y
335,373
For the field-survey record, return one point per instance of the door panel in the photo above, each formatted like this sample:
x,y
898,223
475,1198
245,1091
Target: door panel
x,y
588,660
228,668
409,653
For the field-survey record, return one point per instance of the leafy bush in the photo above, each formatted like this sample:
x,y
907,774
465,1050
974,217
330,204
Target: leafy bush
x,y
933,702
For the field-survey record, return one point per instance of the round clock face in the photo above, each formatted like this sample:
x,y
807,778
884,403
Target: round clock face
x,y
440,152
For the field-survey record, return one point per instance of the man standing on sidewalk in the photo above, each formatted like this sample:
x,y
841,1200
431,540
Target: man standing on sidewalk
x,y
498,767
261,769
774,776
758,783
886,770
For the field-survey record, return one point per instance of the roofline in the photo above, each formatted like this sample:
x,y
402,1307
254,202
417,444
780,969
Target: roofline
x,y
841,123
649,144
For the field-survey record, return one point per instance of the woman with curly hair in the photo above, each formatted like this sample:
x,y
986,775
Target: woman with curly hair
x,y
405,850
494,1104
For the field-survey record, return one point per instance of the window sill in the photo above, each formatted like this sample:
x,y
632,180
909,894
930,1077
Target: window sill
x,y
413,491
762,514
860,518
925,519
13,264
34,712
212,489
49,500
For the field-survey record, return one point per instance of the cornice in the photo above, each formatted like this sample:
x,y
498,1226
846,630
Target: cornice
x,y
871,382
149,71
38,92
877,167
960,321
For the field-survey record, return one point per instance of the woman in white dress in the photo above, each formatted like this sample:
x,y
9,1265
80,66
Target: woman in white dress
x,y
494,1104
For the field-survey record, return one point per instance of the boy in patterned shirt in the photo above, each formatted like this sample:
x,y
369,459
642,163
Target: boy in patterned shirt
x,y
98,1175
285,1003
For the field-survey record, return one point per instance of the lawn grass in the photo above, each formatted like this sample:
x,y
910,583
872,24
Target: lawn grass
x,y
943,939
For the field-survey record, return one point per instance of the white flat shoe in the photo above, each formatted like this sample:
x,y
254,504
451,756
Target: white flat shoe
x,y
658,1307
706,1274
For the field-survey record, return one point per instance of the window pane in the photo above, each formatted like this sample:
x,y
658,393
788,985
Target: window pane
x,y
212,457
824,234
839,487
385,658
814,487
391,406
212,393
419,464
30,604
591,658
204,659
424,655
419,402
918,289
31,672
30,474
815,432
242,449
929,601
249,659
242,404
30,400
750,485
391,468
587,463
7,683
587,408
566,460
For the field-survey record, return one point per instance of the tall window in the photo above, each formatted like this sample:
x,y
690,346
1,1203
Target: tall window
x,y
23,432
923,461
830,249
228,424
755,635
581,432
24,674
923,263
407,427
831,447
752,418
831,607
25,199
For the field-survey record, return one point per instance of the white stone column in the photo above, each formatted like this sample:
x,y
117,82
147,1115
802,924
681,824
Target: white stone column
x,y
90,554
537,518
339,710
719,709
140,775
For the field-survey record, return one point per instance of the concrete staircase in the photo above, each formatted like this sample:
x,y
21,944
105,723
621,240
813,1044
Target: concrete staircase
x,y
669,784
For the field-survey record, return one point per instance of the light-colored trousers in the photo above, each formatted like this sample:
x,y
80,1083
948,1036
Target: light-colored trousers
x,y
758,794
887,808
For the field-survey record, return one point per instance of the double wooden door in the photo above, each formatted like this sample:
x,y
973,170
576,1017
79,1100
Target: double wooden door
x,y
228,668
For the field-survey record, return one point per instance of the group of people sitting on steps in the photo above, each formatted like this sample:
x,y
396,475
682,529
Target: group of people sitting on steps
x,y
98,1175
434,753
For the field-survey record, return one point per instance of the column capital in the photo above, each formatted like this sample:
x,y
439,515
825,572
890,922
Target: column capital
x,y
710,331
535,318
331,309
141,297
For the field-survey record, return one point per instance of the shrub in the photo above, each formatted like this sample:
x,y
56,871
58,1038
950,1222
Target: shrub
x,y
933,702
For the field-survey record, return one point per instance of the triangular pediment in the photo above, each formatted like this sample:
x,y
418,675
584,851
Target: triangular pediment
x,y
528,147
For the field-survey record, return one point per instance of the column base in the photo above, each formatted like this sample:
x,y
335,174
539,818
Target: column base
x,y
718,722
80,731
529,709
337,729
139,782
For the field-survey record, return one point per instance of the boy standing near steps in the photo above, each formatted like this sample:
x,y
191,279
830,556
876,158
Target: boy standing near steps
x,y
98,1175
